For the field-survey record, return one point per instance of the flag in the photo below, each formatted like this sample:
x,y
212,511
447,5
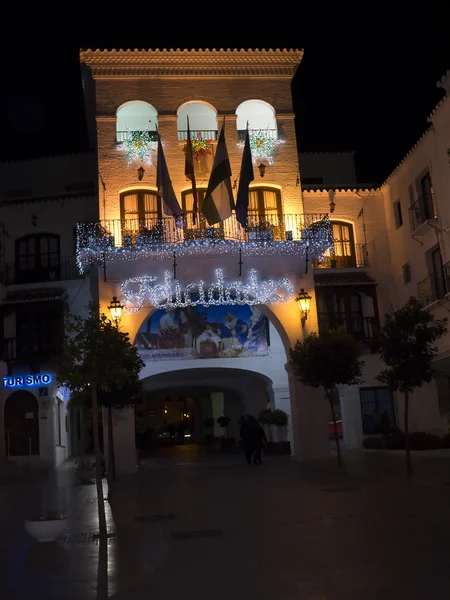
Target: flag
x,y
246,176
165,188
190,174
219,203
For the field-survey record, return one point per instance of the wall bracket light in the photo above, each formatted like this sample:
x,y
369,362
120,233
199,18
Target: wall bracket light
x,y
304,304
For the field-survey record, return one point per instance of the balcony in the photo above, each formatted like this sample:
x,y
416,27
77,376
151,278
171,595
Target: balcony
x,y
435,286
343,255
362,329
29,351
208,134
270,133
122,136
67,269
159,238
422,211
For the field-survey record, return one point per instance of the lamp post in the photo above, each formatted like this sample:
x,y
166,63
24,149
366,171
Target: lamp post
x,y
115,308
304,304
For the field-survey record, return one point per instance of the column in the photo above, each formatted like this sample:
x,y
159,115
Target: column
x,y
309,420
124,439
282,400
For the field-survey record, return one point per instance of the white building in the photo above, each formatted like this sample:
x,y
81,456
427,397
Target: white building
x,y
41,202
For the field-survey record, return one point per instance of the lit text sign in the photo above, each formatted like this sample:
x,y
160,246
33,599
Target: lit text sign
x,y
168,295
30,380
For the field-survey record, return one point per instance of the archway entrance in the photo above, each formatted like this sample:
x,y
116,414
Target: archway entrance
x,y
185,407
22,424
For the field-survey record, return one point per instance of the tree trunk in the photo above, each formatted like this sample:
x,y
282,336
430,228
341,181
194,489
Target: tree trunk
x,y
336,435
98,466
409,470
111,458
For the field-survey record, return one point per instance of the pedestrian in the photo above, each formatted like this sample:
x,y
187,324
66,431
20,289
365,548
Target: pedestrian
x,y
253,439
259,440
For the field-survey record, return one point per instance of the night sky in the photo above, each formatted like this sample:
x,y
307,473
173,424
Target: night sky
x,y
367,81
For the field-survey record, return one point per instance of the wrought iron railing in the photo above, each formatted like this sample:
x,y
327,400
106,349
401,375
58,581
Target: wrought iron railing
x,y
343,255
271,133
167,230
422,210
30,350
359,327
121,136
64,269
435,286
209,134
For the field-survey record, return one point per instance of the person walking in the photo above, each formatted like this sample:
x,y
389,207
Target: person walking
x,y
253,439
259,440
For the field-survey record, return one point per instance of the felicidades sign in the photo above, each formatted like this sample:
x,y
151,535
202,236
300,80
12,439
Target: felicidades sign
x,y
140,291
30,380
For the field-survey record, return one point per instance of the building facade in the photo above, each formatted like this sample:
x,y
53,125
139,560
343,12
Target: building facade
x,y
41,202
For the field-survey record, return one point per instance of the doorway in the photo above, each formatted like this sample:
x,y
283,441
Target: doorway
x,y
22,424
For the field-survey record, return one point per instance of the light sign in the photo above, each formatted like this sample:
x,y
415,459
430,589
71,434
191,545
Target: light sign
x,y
30,380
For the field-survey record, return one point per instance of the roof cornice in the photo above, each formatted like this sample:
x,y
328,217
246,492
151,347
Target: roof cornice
x,y
197,63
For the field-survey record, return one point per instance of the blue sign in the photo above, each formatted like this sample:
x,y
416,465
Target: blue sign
x,y
31,380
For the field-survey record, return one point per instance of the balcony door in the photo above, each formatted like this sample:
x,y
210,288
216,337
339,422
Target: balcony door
x,y
438,278
340,309
38,258
427,196
140,211
265,211
199,229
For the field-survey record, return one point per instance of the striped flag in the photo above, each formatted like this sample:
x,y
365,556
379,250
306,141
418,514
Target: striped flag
x,y
165,188
219,203
190,174
246,176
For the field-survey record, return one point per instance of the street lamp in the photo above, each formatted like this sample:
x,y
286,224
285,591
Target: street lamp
x,y
304,304
262,169
141,172
115,308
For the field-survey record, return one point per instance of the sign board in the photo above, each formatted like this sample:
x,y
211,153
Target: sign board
x,y
30,380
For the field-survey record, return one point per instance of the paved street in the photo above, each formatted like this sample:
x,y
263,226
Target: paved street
x,y
197,526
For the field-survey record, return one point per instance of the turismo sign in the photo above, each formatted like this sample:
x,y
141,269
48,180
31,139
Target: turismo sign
x,y
30,380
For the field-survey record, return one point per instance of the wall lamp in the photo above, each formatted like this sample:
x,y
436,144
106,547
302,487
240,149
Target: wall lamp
x,y
331,195
262,169
141,172
304,304
115,308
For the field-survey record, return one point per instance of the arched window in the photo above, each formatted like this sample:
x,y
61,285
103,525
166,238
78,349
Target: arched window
x,y
259,115
342,254
141,214
135,116
38,258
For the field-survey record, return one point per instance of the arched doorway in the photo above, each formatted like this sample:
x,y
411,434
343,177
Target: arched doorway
x,y
22,424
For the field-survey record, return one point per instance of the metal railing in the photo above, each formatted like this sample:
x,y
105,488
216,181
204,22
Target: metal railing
x,y
209,134
343,255
21,447
18,272
270,133
359,327
153,231
422,210
121,136
30,350
435,286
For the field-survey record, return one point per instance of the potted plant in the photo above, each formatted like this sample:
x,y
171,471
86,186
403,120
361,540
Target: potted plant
x,y
85,471
209,426
99,236
279,419
48,527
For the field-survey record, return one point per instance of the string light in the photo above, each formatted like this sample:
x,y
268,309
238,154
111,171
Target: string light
x,y
141,291
93,248
139,146
262,144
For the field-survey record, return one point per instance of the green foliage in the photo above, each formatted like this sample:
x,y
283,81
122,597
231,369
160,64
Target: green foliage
x,y
327,359
97,353
407,346
273,417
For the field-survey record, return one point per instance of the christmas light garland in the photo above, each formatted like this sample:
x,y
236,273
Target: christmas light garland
x,y
139,146
262,144
144,291
94,246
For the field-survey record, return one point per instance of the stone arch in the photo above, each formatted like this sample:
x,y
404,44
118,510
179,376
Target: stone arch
x,y
202,117
259,114
21,419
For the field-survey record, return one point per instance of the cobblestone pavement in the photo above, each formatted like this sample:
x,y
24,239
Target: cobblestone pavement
x,y
197,526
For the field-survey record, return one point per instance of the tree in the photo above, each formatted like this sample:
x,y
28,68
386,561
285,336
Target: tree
x,y
326,360
97,359
407,348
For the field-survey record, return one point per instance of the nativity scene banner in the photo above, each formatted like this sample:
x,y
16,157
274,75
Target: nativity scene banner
x,y
204,332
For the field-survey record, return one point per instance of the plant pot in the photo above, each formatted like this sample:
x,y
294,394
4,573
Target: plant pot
x,y
46,529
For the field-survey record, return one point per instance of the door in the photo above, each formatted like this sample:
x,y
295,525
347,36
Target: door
x,y
427,197
22,424
438,280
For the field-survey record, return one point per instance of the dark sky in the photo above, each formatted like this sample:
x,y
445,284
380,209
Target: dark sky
x,y
367,81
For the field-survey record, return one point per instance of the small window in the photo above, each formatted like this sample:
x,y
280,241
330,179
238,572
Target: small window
x,y
377,411
406,273
398,214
